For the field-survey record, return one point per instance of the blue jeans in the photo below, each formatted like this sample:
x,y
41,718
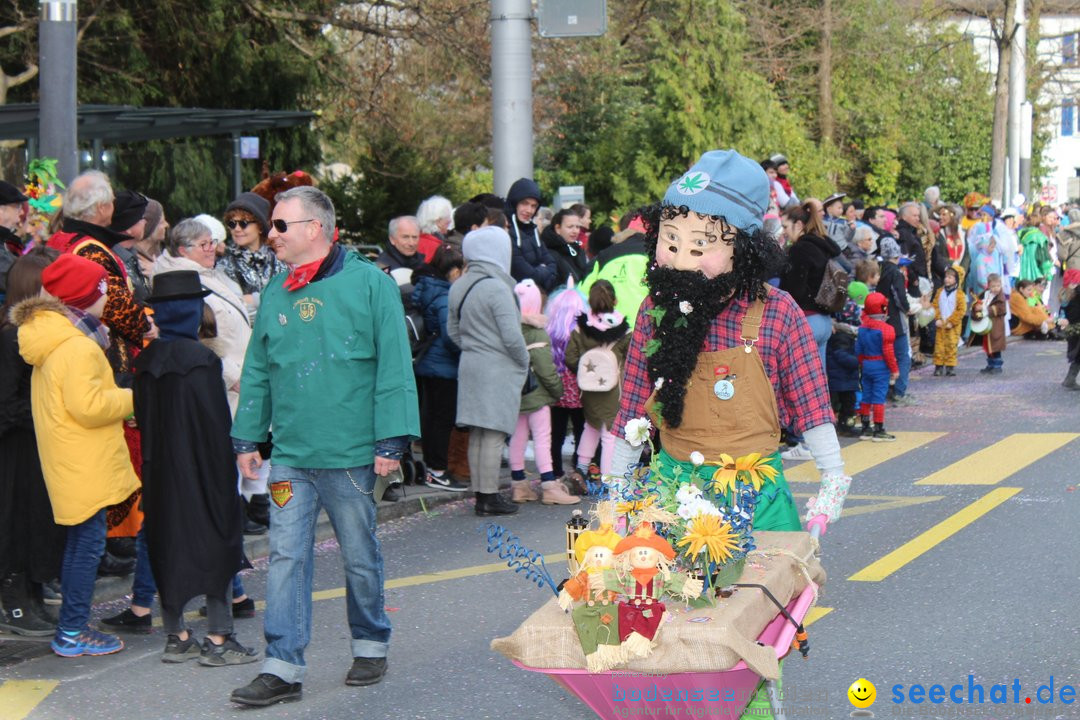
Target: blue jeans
x,y
902,348
347,495
821,326
143,587
82,555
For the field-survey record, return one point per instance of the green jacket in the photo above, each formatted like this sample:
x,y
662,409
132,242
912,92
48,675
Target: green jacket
x,y
549,385
329,369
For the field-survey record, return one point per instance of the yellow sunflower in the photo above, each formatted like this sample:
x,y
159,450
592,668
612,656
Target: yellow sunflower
x,y
756,468
724,477
709,531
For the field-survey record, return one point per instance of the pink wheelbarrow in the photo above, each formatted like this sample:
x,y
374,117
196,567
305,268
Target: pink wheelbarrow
x,y
724,695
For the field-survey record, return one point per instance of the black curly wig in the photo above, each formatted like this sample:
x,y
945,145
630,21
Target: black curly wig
x,y
681,336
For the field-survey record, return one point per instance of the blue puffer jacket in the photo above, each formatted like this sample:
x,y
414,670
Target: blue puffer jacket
x,y
431,297
841,363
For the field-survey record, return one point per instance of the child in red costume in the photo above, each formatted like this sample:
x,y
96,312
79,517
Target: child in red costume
x,y
874,346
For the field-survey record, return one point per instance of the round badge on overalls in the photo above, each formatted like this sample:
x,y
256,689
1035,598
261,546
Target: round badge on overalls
x,y
724,389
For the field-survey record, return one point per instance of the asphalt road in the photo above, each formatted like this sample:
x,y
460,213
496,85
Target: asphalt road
x,y
957,556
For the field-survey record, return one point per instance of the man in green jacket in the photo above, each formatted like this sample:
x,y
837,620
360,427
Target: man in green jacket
x,y
329,368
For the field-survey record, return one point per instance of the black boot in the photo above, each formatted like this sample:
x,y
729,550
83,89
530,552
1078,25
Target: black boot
x,y
1070,378
494,504
950,371
939,370
18,615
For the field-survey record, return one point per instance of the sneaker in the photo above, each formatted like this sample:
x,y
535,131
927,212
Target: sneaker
x,y
229,652
243,609
939,370
867,433
797,452
253,528
129,622
881,436
266,690
986,370
178,651
443,481
366,671
88,642
950,371
904,401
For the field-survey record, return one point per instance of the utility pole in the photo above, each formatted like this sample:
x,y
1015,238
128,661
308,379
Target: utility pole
x,y
511,91
57,110
1003,38
1017,97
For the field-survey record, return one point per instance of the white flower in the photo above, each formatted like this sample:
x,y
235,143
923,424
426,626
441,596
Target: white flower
x,y
685,307
702,506
687,493
686,512
659,383
637,431
697,458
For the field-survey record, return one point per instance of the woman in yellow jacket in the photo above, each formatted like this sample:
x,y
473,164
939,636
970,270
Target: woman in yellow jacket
x,y
78,421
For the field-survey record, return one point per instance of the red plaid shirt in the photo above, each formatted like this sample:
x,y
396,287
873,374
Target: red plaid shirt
x,y
787,349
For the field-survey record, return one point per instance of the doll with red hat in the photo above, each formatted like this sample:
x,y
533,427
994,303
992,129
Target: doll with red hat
x,y
643,574
877,362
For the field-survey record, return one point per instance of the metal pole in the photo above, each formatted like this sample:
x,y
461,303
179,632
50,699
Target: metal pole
x,y
97,148
1017,95
237,179
1025,150
511,92
58,112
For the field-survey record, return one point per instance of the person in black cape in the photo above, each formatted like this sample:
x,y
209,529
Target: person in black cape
x,y
194,514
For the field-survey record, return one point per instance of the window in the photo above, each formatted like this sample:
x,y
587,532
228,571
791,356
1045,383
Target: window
x,y
1068,49
1068,112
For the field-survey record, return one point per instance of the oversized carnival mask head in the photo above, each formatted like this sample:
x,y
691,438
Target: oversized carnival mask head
x,y
707,247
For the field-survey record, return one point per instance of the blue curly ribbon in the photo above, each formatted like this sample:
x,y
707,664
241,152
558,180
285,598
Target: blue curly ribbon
x,y
519,558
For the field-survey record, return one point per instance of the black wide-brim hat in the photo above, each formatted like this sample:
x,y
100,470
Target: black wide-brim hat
x,y
177,285
835,197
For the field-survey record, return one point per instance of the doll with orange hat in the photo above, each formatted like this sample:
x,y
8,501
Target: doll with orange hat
x,y
643,574
596,619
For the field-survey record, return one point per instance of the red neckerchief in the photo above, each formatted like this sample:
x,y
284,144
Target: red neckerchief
x,y
301,275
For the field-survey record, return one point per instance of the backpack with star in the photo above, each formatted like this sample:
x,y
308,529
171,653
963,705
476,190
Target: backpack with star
x,y
598,369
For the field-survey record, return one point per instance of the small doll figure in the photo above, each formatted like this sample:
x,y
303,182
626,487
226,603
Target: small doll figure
x,y
643,574
596,619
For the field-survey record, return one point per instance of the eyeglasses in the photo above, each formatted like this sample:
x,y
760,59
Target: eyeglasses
x,y
283,226
242,224
204,245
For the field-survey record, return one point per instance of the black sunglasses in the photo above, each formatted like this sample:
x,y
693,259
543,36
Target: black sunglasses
x,y
283,226
242,224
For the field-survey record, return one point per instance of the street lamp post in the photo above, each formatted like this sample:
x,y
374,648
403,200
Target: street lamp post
x,y
511,92
57,121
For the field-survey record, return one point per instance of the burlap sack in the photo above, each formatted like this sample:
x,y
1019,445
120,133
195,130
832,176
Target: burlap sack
x,y
781,563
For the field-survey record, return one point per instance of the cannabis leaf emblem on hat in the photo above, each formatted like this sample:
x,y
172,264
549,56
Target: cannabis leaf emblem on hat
x,y
692,183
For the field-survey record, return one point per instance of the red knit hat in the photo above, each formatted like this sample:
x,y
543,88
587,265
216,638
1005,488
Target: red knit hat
x,y
74,281
876,304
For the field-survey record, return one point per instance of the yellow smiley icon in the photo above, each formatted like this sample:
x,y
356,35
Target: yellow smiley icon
x,y
862,693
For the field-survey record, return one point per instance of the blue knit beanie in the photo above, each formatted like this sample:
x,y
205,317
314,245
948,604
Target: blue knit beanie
x,y
725,184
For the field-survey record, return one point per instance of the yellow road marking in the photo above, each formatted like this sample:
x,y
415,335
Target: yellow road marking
x,y
815,614
901,556
883,502
861,456
18,698
996,462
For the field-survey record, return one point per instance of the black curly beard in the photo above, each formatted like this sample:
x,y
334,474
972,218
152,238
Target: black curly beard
x,y
756,259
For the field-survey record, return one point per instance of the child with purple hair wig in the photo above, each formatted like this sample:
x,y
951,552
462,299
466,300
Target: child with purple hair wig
x,y
562,311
